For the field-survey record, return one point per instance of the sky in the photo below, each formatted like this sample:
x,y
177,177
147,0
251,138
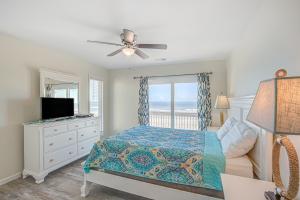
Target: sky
x,y
184,92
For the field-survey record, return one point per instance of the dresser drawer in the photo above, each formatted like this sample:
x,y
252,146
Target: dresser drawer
x,y
85,147
59,141
54,158
75,126
92,123
55,130
86,133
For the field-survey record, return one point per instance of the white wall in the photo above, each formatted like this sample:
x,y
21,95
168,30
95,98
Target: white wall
x,y
19,92
124,90
272,41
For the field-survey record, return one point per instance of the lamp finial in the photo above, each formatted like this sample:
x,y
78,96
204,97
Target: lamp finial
x,y
281,73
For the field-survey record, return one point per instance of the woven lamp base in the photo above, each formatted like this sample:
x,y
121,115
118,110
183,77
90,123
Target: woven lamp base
x,y
292,190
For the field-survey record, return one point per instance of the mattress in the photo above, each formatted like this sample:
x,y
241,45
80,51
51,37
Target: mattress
x,y
241,166
184,157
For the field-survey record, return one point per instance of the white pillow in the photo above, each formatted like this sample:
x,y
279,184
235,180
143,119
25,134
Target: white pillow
x,y
238,141
230,122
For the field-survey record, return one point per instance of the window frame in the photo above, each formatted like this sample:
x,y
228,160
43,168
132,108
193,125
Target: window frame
x,y
101,116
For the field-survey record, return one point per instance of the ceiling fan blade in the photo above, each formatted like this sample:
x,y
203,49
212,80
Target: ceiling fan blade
x,y
152,46
141,54
109,43
115,52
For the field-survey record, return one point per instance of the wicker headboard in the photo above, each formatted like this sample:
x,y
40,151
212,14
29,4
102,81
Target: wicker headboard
x,y
261,154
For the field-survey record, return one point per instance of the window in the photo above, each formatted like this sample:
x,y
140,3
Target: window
x,y
173,103
96,99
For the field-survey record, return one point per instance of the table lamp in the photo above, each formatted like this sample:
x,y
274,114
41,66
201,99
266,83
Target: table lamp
x,y
222,103
276,108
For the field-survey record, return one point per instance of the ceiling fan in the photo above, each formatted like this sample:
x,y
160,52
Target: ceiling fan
x,y
129,45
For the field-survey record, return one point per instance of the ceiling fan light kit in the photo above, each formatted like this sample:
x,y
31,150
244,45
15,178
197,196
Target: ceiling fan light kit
x,y
128,51
129,45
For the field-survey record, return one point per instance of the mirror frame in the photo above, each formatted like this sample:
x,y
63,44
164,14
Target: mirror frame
x,y
60,76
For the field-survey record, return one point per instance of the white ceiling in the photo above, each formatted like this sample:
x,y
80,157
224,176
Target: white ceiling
x,y
193,29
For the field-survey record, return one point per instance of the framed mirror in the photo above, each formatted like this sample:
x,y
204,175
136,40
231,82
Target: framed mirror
x,y
60,85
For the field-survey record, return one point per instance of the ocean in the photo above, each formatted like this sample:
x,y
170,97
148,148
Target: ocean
x,y
188,106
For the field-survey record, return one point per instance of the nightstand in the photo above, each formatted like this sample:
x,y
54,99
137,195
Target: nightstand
x,y
241,188
213,128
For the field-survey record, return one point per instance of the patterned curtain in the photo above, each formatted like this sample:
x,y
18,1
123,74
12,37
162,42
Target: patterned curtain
x,y
203,101
143,112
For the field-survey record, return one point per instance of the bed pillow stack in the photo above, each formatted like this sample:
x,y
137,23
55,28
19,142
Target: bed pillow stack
x,y
239,140
230,122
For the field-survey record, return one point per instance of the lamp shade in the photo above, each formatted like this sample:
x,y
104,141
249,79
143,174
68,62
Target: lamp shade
x,y
276,106
222,102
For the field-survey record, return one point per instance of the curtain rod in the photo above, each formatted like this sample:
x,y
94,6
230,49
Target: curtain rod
x,y
138,77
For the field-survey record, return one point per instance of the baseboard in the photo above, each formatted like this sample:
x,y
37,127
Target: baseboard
x,y
10,178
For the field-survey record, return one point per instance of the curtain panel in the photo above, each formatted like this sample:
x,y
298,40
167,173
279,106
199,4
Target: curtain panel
x,y
203,101
143,111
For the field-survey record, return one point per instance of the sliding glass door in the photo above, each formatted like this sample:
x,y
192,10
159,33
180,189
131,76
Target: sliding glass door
x,y
160,105
185,106
173,103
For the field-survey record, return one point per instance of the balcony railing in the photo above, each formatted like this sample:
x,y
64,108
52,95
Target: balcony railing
x,y
182,120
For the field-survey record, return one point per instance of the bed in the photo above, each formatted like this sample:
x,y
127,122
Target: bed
x,y
241,166
185,157
176,164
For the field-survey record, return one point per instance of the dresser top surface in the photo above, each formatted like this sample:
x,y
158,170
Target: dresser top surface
x,y
58,121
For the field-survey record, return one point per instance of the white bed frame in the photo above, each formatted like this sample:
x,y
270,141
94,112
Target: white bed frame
x,y
260,157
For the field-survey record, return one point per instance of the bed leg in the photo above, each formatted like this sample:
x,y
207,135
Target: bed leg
x,y
84,187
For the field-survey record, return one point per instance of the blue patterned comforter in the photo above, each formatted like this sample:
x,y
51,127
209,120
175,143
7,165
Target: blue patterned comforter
x,y
177,156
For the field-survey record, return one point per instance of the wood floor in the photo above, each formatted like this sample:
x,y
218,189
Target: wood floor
x,y
63,184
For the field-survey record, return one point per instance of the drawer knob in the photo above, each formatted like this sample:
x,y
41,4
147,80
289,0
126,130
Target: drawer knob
x,y
70,138
95,131
51,144
82,135
51,160
55,130
82,147
70,153
76,126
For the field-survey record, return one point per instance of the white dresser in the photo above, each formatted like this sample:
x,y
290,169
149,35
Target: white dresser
x,y
51,145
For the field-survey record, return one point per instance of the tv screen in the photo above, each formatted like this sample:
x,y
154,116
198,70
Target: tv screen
x,y
57,107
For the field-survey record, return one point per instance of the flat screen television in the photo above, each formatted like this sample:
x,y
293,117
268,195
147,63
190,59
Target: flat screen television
x,y
57,107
